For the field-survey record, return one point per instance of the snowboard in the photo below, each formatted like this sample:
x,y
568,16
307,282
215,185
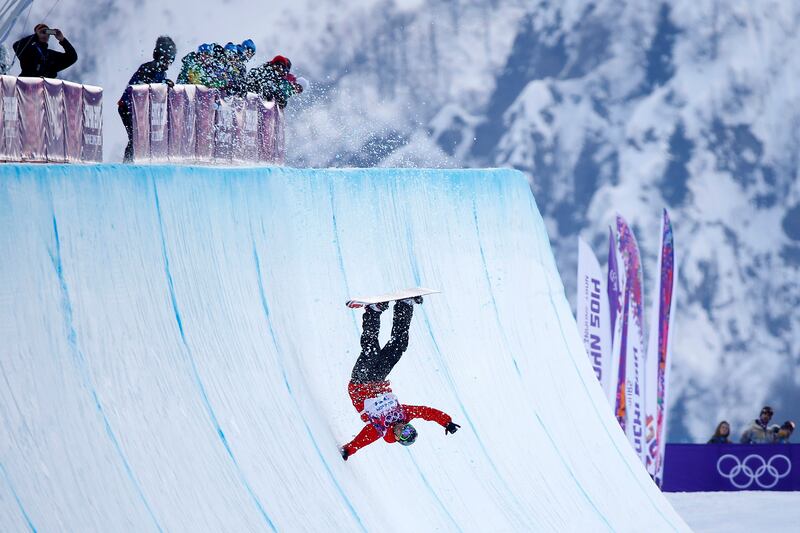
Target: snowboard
x,y
357,303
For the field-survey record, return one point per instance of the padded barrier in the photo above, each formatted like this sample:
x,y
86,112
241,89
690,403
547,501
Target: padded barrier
x,y
194,124
50,121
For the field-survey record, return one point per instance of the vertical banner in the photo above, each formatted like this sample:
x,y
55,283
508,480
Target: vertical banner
x,y
279,154
593,318
238,106
30,99
181,123
159,138
266,136
247,147
224,130
11,141
205,115
54,118
73,121
658,351
633,338
92,143
140,121
615,287
176,113
613,283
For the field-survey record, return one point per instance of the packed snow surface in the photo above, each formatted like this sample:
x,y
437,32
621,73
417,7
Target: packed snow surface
x,y
738,512
176,352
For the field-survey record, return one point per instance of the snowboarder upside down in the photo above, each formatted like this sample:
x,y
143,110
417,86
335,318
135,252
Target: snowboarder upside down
x,y
371,392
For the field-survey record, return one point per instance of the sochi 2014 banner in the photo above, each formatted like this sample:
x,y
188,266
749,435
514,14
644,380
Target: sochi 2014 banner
x,y
658,353
593,319
614,291
632,339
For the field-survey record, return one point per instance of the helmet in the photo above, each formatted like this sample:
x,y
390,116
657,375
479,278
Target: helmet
x,y
407,435
230,47
248,44
205,48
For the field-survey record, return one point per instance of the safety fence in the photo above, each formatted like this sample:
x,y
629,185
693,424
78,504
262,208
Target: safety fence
x,y
728,467
195,124
50,121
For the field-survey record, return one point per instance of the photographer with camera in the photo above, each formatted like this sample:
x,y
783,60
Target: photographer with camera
x,y
35,57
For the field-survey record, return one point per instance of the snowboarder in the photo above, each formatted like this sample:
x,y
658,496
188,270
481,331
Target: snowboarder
x,y
371,392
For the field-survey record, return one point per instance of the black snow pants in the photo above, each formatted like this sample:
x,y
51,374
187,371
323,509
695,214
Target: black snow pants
x,y
127,121
375,363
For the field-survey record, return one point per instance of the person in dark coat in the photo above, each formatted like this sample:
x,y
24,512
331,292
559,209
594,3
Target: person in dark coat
x,y
270,82
154,71
722,435
35,57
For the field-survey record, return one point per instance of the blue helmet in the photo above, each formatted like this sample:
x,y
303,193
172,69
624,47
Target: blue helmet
x,y
249,45
205,48
230,47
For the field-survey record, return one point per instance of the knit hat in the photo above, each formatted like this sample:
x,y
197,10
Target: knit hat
x,y
165,48
282,60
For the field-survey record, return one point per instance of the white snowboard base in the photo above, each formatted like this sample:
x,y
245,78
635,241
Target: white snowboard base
x,y
362,301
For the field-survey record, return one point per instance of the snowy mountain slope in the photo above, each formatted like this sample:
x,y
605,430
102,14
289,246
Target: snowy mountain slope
x,y
607,106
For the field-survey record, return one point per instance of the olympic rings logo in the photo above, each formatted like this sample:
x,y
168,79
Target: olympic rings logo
x,y
754,469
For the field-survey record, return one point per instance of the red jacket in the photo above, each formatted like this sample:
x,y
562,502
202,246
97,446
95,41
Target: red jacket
x,y
378,406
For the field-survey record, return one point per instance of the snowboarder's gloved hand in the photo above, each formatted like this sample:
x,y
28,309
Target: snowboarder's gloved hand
x,y
451,428
344,452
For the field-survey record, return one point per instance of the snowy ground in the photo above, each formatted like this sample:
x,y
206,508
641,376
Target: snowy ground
x,y
731,512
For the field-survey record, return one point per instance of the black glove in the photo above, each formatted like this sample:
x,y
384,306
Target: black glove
x,y
170,83
344,452
451,428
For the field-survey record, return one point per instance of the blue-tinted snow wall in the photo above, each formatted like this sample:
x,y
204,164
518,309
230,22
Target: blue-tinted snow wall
x,y
175,352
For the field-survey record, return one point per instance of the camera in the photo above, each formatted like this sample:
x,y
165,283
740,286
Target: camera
x,y
49,31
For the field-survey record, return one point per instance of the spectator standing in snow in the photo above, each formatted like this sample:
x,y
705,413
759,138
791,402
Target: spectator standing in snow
x,y
271,81
35,57
758,432
154,71
722,435
784,432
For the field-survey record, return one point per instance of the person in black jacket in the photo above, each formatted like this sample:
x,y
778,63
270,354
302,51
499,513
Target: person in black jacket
x,y
154,71
35,57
